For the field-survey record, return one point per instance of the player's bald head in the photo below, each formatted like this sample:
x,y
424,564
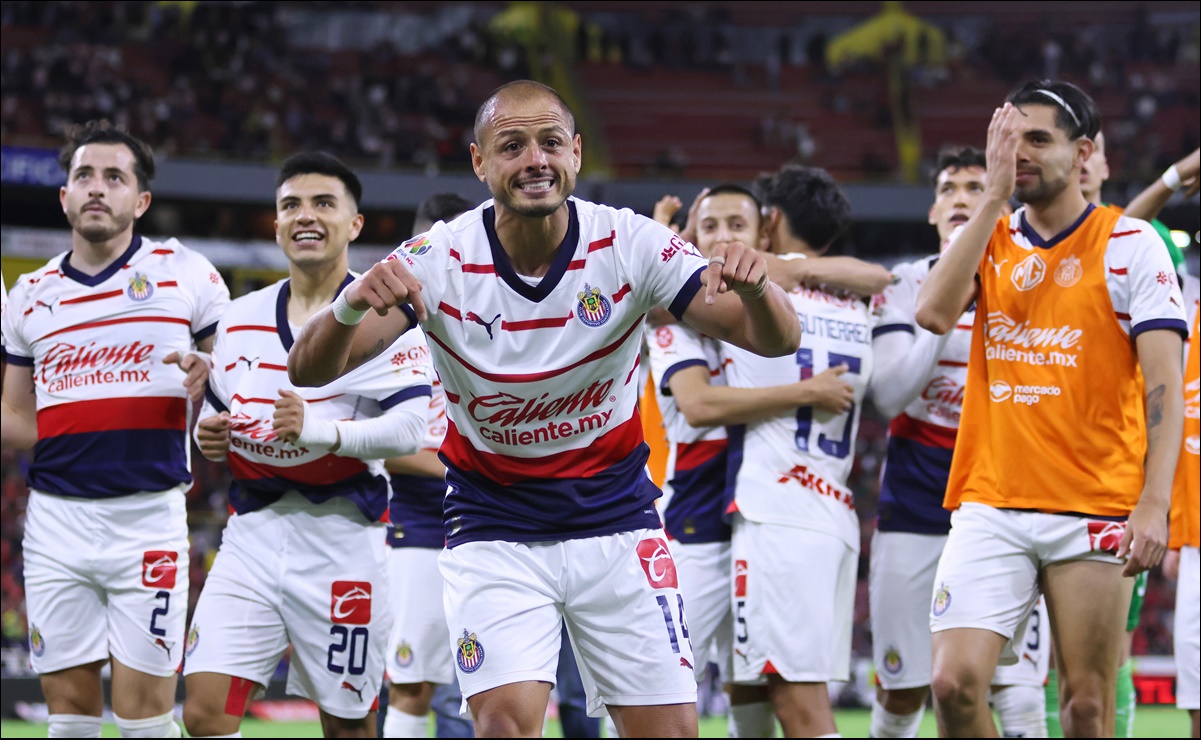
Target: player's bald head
x,y
519,91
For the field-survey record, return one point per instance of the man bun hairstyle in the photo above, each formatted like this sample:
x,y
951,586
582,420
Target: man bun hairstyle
x,y
102,131
1075,112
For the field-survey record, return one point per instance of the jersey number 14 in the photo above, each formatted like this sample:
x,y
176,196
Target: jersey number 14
x,y
837,448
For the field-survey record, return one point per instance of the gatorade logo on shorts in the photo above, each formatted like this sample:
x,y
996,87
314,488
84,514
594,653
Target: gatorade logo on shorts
x,y
740,579
1105,536
350,602
158,569
656,562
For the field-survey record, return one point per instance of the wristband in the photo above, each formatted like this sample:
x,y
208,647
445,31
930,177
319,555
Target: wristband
x,y
344,314
1171,179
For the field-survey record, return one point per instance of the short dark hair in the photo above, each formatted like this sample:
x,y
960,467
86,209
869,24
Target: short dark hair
x,y
102,131
1075,112
952,157
320,163
814,206
442,207
528,86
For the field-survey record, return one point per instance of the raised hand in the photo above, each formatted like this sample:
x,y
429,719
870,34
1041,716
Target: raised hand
x,y
735,266
386,285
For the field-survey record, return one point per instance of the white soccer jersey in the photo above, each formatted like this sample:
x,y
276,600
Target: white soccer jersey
x,y
693,495
112,418
250,367
793,468
922,438
544,439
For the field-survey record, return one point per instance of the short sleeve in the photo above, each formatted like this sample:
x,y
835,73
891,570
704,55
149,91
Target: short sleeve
x,y
16,348
664,269
428,257
1155,298
673,348
895,308
210,296
404,371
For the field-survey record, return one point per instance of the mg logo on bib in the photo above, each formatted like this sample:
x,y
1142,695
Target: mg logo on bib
x,y
158,569
656,562
1028,273
350,602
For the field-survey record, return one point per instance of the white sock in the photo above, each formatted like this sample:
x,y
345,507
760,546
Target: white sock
x,y
1022,710
752,720
74,725
403,724
610,727
887,724
832,734
160,726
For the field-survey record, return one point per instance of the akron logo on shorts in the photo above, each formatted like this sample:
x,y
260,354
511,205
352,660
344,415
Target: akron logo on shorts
x,y
470,654
140,287
350,602
193,639
656,561
418,245
404,654
159,569
36,642
892,660
942,600
592,307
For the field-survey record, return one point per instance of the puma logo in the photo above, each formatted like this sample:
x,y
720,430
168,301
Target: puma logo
x,y
358,692
473,316
249,362
996,265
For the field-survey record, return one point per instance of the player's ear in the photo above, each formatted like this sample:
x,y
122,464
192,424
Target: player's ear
x,y
930,216
356,226
477,161
1084,149
577,152
142,204
62,197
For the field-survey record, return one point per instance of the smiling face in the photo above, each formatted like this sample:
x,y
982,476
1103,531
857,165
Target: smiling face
x,y
1048,162
956,194
527,153
101,198
727,217
315,218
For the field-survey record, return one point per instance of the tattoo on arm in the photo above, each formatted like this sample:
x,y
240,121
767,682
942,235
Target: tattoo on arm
x,y
1155,407
373,352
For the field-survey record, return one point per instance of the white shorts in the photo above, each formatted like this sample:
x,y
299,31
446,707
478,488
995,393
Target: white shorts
x,y
107,577
704,570
619,594
417,646
306,574
794,603
1188,630
902,576
988,574
1033,652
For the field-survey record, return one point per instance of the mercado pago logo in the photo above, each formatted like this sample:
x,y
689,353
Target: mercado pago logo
x,y
1008,340
502,416
67,365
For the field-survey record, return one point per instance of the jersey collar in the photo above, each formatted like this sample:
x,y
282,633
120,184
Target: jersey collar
x,y
93,280
281,310
566,250
1034,238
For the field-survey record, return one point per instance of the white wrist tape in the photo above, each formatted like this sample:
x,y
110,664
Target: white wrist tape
x,y
344,314
317,432
1171,179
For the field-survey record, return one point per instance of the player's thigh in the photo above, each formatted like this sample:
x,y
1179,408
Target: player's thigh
x,y
65,601
511,709
704,573
987,575
673,720
901,580
138,695
501,610
1033,651
334,726
628,623
217,702
336,608
416,650
146,581
1187,636
75,690
1087,601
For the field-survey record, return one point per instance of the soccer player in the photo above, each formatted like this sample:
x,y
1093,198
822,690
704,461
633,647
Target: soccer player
x,y
94,342
1182,561
533,304
300,562
696,405
795,537
418,661
918,383
1069,299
